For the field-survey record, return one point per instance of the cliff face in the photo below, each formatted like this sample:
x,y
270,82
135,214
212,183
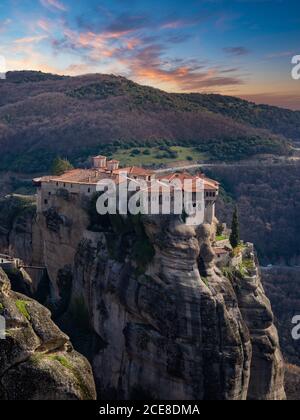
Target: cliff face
x,y
267,367
62,228
161,319
283,287
20,235
37,359
180,329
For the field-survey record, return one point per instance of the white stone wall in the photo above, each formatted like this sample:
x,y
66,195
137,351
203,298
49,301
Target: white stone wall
x,y
209,212
47,192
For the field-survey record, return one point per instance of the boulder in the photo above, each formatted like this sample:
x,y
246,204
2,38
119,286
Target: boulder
x,y
37,360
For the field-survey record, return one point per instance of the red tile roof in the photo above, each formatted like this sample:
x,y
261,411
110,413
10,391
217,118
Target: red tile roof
x,y
209,184
94,175
135,170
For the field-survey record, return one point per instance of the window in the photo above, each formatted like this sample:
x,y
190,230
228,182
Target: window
x,y
89,190
45,201
49,193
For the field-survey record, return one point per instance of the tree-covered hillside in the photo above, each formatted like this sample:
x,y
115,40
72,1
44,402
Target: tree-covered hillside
x,y
278,120
44,116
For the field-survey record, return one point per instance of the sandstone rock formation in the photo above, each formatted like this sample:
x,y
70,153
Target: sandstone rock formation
x,y
292,382
160,319
180,329
20,235
267,367
37,360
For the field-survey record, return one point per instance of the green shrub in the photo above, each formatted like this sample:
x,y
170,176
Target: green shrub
x,y
60,166
248,263
22,308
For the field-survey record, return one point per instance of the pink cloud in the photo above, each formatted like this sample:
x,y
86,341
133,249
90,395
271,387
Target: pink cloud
x,y
144,62
44,24
55,4
30,39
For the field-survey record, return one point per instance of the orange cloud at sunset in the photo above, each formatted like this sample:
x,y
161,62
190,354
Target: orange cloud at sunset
x,y
188,48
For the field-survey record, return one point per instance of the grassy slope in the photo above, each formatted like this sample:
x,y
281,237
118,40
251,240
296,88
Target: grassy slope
x,y
156,156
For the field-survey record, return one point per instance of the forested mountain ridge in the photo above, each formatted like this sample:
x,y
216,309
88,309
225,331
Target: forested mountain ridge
x,y
278,120
44,115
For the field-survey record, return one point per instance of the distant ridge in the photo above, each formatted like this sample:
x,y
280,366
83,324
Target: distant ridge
x,y
45,115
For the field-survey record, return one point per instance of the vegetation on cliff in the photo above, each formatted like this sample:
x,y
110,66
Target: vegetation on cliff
x,y
13,207
235,230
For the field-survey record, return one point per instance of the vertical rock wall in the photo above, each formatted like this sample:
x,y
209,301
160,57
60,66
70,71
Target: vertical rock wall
x,y
175,332
170,326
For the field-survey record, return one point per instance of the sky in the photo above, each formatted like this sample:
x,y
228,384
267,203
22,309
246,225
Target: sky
x,y
234,47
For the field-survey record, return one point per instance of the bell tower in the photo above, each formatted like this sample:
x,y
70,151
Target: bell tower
x,y
99,162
